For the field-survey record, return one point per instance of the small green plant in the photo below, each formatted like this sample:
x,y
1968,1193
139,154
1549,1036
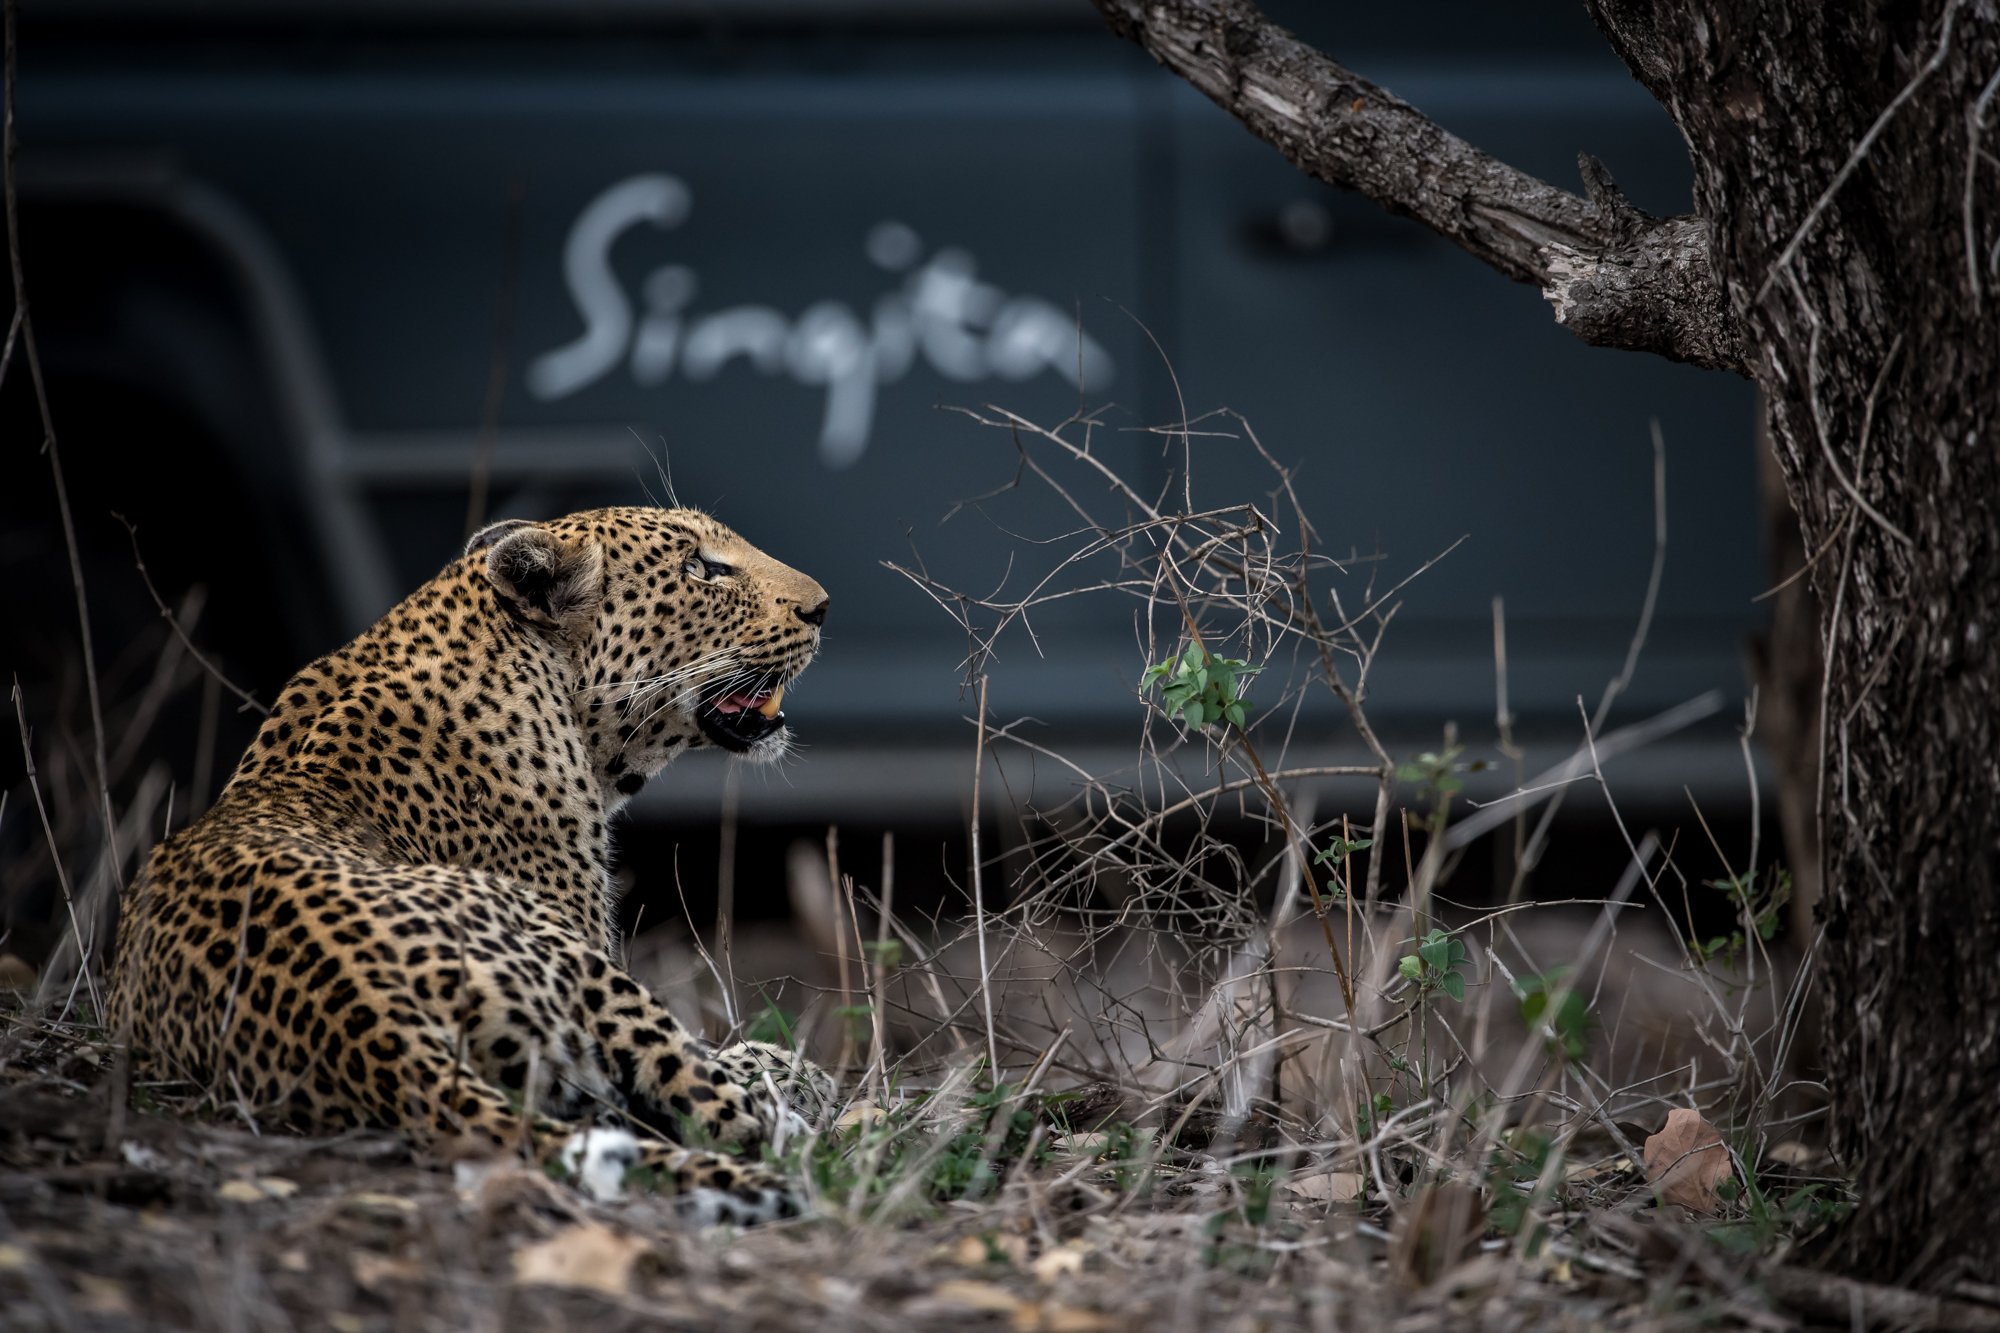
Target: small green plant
x,y
1439,775
1768,1219
886,955
1372,1111
1512,1173
1201,688
1121,1150
1435,965
860,1019
1762,907
1336,855
1001,1131
1560,1014
772,1025
1256,1184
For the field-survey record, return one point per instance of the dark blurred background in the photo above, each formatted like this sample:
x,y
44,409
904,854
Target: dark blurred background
x,y
319,286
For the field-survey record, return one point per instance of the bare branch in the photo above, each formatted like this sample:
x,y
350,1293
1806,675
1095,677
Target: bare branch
x,y
1616,277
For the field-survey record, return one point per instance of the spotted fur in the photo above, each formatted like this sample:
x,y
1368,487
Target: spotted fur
x,y
399,912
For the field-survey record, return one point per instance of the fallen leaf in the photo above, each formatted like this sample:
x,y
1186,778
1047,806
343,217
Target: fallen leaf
x,y
259,1190
860,1115
372,1271
1330,1186
16,974
102,1297
1051,1318
1097,1143
838,1292
1065,1258
1584,1173
384,1207
960,1296
589,1256
139,1155
1792,1153
1437,1235
963,1295
990,1248
1686,1160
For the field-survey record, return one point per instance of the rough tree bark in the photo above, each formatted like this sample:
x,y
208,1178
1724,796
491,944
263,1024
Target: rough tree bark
x,y
1845,252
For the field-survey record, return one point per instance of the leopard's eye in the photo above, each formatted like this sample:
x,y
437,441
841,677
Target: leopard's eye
x,y
701,567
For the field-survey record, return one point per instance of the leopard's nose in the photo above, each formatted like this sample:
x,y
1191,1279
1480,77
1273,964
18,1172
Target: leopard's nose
x,y
813,615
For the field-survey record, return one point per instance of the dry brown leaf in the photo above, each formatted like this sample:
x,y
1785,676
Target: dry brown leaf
x,y
861,1114
961,1294
260,1190
1584,1173
372,1271
1794,1154
102,1298
589,1256
1094,1143
1065,1258
990,1248
1437,1235
16,974
1330,1186
370,1202
1049,1317
1686,1160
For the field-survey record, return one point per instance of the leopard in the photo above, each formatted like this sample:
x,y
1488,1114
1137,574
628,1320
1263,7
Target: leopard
x,y
400,912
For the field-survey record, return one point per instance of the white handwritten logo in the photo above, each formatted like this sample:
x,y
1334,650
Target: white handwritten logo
x,y
966,330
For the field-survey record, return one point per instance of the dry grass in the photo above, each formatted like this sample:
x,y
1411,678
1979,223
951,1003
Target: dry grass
x,y
1159,1072
170,1219
1181,1061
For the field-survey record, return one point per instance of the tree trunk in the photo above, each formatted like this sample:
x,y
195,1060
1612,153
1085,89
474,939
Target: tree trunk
x,y
1846,252
1853,215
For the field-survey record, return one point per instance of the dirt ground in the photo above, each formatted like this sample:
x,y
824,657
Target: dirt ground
x,y
162,1213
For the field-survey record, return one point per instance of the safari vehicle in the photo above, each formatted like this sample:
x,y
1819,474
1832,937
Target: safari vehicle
x,y
334,281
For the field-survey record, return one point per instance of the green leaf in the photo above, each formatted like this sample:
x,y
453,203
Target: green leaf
x,y
1234,712
1533,1006
1195,713
1454,986
1410,967
1436,953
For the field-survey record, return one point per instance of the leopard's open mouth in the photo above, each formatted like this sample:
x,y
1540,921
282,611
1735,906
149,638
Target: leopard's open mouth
x,y
739,720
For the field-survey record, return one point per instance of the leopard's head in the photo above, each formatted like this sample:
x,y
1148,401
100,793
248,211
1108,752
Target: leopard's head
x,y
675,633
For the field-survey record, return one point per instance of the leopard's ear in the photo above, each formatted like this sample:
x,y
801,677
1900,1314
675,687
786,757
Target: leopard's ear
x,y
541,577
493,532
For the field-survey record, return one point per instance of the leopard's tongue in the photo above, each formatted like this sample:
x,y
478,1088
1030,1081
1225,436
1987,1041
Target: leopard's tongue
x,y
760,701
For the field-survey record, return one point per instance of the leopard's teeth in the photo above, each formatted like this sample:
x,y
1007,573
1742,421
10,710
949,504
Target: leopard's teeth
x,y
769,708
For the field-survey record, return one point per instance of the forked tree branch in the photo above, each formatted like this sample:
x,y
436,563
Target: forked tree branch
x,y
1617,277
